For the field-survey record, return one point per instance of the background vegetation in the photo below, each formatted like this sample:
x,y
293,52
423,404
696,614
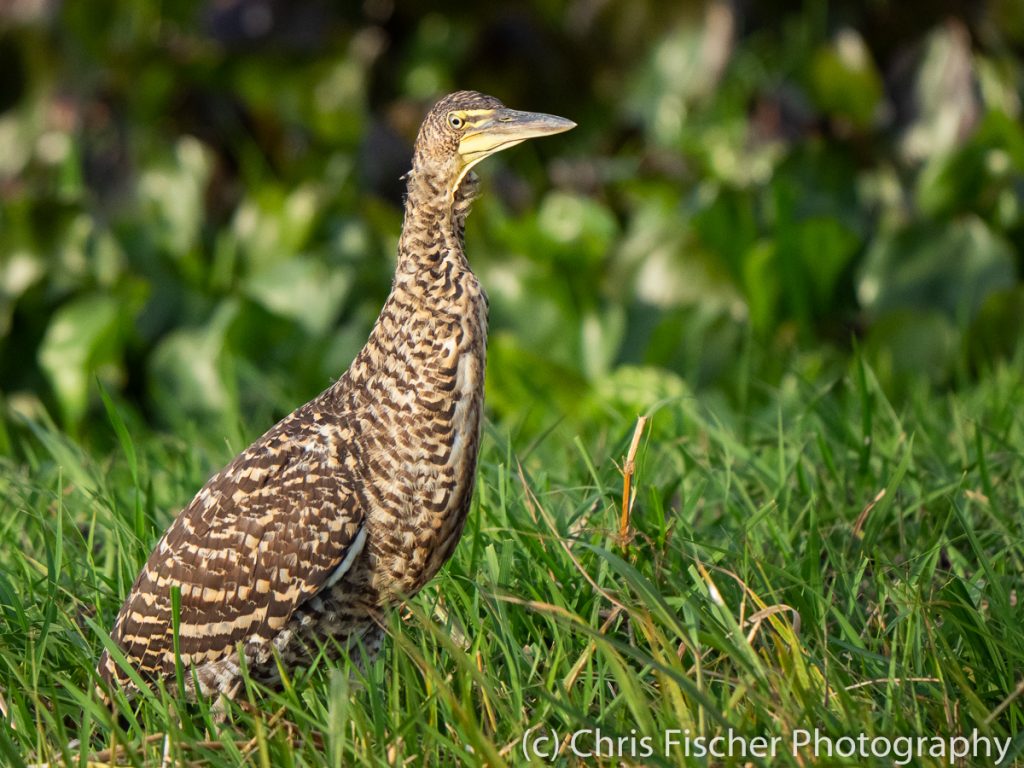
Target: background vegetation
x,y
791,233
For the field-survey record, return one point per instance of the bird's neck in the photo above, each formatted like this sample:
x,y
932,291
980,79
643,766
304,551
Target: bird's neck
x,y
435,220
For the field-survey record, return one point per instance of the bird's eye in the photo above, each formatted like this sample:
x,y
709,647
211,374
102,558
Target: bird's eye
x,y
455,121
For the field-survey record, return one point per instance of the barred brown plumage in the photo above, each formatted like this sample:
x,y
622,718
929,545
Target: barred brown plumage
x,y
354,501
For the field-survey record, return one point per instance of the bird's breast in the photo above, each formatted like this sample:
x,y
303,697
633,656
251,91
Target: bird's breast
x,y
423,435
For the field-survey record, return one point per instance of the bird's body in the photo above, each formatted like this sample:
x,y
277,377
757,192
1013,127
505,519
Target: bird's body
x,y
354,501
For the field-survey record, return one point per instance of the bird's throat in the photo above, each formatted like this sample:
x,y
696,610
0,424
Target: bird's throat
x,y
434,225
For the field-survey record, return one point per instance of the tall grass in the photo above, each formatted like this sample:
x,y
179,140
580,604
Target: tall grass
x,y
822,558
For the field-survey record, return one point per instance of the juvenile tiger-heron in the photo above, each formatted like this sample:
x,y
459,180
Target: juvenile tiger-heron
x,y
354,501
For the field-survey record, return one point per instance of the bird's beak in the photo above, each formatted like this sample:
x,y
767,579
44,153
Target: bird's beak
x,y
498,129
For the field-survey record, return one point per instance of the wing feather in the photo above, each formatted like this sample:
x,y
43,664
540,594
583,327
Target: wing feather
x,y
262,536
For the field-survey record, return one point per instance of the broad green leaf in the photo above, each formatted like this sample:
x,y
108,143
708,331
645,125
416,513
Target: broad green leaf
x,y
582,228
187,375
18,273
81,335
636,390
998,329
911,344
303,289
680,68
728,225
761,285
825,246
950,267
944,98
983,176
172,196
274,224
601,333
844,81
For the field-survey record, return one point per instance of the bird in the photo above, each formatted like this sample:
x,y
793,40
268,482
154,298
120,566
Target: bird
x,y
298,548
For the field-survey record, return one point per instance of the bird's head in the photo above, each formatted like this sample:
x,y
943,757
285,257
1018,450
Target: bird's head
x,y
465,127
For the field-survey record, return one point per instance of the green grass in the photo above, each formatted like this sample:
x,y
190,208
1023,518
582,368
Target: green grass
x,y
821,558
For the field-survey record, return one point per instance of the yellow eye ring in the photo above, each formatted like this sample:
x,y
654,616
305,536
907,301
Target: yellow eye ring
x,y
455,121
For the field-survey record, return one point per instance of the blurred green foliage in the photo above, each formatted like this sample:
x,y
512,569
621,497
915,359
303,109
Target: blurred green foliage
x,y
200,202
